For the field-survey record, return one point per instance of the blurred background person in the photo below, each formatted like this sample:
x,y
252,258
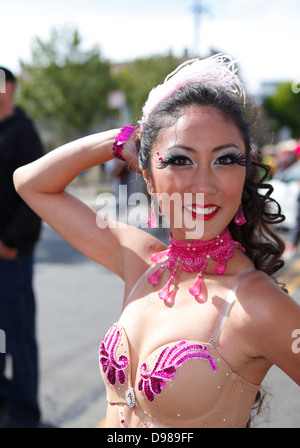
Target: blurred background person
x,y
19,232
120,175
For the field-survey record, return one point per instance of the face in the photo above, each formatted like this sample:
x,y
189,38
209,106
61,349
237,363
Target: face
x,y
198,161
6,97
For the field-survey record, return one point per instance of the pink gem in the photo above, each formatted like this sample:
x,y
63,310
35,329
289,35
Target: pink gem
x,y
239,218
152,220
195,289
164,293
220,268
153,278
156,258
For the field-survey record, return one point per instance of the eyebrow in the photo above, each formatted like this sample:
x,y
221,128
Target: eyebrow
x,y
216,149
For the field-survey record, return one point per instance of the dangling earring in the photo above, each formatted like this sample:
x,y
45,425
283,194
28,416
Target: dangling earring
x,y
152,219
239,218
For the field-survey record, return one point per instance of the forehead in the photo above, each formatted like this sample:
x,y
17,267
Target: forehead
x,y
202,126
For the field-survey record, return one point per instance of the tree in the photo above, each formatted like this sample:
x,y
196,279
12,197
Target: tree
x,y
137,78
65,87
284,107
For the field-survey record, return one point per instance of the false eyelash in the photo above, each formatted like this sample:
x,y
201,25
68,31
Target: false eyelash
x,y
239,159
170,160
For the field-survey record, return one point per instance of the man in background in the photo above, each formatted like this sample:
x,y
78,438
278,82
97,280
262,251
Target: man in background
x,y
19,232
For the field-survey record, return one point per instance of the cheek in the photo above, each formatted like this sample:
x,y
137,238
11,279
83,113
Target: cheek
x,y
169,190
232,183
173,180
165,182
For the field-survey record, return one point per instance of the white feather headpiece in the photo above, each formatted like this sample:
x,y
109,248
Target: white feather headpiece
x,y
218,70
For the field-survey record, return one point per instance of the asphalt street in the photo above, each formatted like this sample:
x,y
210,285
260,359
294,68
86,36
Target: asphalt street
x,y
77,301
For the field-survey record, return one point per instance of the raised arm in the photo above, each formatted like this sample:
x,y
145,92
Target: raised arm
x,y
42,185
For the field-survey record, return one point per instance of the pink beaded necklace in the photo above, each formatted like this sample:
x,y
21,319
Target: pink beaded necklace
x,y
193,256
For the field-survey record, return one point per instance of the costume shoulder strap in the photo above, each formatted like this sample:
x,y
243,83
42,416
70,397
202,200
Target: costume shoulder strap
x,y
230,299
139,280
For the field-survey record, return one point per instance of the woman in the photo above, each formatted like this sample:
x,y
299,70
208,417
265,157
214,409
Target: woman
x,y
203,320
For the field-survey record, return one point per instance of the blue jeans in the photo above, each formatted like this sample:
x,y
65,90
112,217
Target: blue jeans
x,y
17,319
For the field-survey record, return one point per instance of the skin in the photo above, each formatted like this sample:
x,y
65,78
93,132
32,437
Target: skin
x,y
258,331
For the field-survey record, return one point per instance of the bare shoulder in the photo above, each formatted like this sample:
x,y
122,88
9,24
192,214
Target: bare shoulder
x,y
269,318
263,298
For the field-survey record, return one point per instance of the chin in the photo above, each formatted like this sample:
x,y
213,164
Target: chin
x,y
199,233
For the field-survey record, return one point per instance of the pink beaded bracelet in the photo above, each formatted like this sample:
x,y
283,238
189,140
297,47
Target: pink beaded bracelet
x,y
122,137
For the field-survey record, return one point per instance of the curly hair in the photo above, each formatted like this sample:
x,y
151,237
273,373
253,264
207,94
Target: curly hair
x,y
263,246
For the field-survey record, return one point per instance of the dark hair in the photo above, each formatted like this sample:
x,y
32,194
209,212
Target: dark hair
x,y
262,244
9,76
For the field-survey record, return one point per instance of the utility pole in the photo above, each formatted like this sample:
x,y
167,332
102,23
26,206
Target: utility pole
x,y
198,9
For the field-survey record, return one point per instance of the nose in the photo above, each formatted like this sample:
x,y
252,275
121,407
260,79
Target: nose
x,y
203,181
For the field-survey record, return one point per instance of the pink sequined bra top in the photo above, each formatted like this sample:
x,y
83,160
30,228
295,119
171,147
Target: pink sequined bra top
x,y
181,384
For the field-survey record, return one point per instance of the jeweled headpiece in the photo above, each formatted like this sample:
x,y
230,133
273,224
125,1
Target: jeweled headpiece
x,y
218,70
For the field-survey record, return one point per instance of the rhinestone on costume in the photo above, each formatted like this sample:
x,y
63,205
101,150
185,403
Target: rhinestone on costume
x,y
130,397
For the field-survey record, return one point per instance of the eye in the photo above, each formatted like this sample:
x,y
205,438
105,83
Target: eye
x,y
175,160
231,158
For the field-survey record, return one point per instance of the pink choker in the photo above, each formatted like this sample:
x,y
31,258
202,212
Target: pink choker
x,y
193,256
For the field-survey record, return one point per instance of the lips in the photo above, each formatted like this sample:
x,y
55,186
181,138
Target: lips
x,y
207,212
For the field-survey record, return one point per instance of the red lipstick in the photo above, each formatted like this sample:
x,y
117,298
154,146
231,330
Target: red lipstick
x,y
206,213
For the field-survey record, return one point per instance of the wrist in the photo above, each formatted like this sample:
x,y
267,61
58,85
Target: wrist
x,y
122,138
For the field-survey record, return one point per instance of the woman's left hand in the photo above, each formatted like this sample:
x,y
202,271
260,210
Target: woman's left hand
x,y
130,152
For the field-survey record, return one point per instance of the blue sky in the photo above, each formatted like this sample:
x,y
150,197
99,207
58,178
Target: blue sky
x,y
262,34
